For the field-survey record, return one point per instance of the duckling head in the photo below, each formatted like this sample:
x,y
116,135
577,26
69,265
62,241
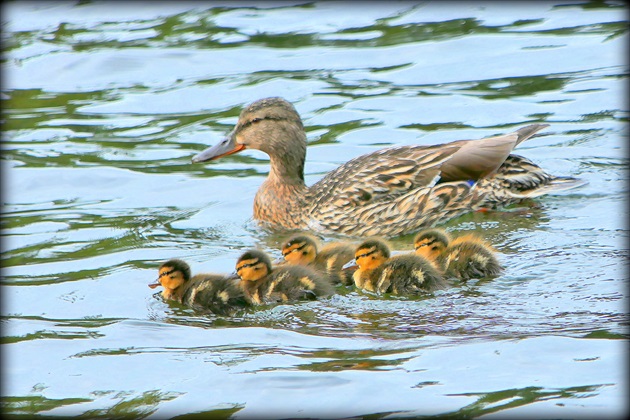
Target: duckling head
x,y
271,125
431,243
371,254
300,250
173,274
253,265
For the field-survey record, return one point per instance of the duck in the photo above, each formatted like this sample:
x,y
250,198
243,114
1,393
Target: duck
x,y
389,192
465,257
218,293
402,274
266,284
304,249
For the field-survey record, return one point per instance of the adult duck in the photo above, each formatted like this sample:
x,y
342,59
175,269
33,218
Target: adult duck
x,y
390,192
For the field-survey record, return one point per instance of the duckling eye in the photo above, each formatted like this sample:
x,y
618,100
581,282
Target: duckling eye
x,y
167,273
255,120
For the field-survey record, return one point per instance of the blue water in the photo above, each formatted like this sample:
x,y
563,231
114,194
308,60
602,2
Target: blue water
x,y
104,105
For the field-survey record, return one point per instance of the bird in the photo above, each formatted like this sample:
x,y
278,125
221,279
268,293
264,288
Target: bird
x,y
403,274
218,293
465,257
390,192
265,284
304,249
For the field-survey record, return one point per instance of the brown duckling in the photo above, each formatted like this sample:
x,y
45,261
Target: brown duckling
x,y
220,294
465,257
263,283
389,192
404,274
303,249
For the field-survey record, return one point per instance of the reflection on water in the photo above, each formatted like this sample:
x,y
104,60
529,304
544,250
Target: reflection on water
x,y
104,107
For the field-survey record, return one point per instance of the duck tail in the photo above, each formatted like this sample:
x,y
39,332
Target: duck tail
x,y
528,131
556,184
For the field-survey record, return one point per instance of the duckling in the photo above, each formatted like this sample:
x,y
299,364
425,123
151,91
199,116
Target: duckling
x,y
303,249
263,283
389,192
220,294
404,274
465,257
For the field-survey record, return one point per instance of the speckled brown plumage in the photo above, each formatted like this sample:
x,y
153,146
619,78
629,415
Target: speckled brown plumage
x,y
390,192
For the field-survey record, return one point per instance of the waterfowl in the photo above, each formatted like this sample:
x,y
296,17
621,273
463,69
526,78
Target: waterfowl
x,y
220,294
404,274
465,257
264,284
303,249
390,192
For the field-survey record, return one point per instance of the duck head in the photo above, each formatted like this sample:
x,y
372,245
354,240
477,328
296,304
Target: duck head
x,y
371,254
431,243
253,265
300,250
173,275
271,125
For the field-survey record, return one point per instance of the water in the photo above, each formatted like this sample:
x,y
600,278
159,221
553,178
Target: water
x,y
105,105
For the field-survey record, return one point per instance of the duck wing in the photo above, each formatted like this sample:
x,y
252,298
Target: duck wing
x,y
392,172
401,189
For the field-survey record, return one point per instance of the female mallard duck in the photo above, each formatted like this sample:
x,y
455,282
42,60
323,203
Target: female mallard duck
x,y
389,192
465,257
303,249
263,283
220,294
404,274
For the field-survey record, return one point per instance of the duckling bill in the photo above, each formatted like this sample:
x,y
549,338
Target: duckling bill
x,y
219,294
264,284
390,192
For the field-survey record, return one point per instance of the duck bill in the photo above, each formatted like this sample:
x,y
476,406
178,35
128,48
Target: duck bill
x,y
350,264
154,285
223,148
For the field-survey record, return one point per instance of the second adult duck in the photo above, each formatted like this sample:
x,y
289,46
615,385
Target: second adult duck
x,y
390,192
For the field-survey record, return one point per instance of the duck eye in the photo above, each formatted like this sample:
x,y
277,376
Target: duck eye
x,y
255,120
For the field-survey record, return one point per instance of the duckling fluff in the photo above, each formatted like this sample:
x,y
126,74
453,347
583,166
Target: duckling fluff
x,y
264,284
220,294
303,249
405,274
465,257
390,192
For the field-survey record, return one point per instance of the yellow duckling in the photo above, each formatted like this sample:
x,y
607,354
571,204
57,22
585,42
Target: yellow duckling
x,y
390,192
220,294
405,274
465,257
303,249
263,283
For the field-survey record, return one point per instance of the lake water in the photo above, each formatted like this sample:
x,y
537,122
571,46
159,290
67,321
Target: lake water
x,y
104,106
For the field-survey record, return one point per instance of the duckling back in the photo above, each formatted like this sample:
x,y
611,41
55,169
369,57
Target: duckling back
x,y
470,257
409,274
293,282
221,295
331,260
